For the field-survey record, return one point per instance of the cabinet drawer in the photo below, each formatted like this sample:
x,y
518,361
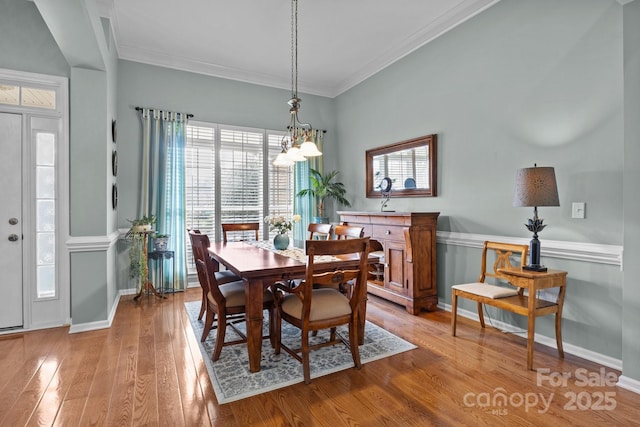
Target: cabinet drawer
x,y
388,232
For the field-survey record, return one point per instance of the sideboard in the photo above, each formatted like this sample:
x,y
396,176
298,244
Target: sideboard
x,y
408,262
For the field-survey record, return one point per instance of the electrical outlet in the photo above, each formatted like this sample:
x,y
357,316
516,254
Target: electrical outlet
x,y
577,210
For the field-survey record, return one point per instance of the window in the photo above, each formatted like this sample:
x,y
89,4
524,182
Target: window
x,y
27,96
45,144
229,177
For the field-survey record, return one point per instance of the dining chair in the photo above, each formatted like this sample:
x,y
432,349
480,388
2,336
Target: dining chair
x,y
240,227
348,231
226,303
312,309
222,277
320,231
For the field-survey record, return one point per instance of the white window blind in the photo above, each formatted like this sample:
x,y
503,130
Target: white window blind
x,y
226,168
280,182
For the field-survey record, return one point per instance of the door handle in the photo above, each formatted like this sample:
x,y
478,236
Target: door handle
x,y
13,237
13,221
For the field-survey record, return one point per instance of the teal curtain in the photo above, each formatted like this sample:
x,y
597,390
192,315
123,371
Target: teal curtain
x,y
306,207
163,183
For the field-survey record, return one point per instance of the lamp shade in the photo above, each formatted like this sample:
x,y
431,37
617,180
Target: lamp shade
x,y
536,187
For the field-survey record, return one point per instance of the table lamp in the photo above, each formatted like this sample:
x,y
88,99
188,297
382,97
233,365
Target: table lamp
x,y
535,187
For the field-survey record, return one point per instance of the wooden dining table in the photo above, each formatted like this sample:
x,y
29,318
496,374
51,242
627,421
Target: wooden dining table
x,y
259,267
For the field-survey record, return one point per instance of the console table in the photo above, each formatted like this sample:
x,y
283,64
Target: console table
x,y
408,267
530,305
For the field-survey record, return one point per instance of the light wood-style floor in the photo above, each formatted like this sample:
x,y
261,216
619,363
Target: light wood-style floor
x,y
147,370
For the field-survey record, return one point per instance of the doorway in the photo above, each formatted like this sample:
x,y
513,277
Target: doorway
x,y
11,221
33,213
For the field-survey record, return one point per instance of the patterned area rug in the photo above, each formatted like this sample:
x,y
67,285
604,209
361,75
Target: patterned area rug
x,y
232,380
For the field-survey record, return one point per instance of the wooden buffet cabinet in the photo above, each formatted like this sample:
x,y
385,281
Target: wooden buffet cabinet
x,y
408,240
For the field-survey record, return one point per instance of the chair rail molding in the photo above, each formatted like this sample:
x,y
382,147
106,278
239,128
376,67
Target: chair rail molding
x,y
586,252
92,243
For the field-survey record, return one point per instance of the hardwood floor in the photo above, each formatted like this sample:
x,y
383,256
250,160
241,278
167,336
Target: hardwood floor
x,y
147,370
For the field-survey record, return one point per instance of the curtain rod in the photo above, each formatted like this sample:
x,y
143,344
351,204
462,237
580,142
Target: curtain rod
x,y
189,115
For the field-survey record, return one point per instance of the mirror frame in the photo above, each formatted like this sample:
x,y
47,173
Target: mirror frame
x,y
428,140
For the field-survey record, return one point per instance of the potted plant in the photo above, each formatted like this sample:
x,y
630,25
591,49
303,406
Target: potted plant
x,y
141,225
325,187
160,242
137,237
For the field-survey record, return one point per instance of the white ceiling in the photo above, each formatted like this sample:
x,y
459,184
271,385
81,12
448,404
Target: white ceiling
x,y
340,42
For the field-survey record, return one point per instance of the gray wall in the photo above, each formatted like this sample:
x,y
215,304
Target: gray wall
x,y
210,99
524,82
26,43
631,295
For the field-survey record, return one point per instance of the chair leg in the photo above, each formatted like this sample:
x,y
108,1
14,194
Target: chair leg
x,y
305,357
208,324
353,343
481,315
222,329
203,305
277,331
271,326
454,312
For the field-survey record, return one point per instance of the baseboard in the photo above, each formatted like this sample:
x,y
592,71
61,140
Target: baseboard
x,y
575,350
629,384
101,324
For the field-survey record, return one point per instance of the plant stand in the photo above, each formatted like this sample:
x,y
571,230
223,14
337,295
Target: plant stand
x,y
146,284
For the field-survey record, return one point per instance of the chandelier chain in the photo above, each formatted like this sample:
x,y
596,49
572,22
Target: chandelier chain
x,y
294,48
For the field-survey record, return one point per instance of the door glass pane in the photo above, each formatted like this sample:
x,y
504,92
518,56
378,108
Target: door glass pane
x,y
45,214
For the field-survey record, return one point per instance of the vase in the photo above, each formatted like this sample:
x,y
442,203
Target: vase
x,y
281,241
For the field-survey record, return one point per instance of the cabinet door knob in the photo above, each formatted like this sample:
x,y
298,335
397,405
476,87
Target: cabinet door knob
x,y
387,232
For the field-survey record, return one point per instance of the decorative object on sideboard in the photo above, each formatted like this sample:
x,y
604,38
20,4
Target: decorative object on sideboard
x,y
385,188
535,187
296,130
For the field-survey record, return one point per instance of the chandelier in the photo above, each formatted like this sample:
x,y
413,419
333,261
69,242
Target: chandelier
x,y
296,130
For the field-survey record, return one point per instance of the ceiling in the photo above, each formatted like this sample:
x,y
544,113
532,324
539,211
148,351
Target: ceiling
x,y
340,42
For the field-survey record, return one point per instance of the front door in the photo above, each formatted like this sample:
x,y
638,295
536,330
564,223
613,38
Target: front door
x,y
11,244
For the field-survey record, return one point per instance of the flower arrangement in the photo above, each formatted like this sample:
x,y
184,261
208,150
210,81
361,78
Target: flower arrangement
x,y
281,223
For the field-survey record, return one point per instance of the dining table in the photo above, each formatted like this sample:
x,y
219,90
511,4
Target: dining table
x,y
260,265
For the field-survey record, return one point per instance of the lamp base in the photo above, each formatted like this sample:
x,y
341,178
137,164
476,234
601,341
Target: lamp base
x,y
535,267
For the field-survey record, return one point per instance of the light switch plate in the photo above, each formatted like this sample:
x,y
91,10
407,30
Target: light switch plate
x,y
577,210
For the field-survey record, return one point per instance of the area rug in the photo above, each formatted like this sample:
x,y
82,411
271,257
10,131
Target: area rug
x,y
230,374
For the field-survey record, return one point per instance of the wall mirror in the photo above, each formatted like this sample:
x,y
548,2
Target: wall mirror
x,y
410,165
